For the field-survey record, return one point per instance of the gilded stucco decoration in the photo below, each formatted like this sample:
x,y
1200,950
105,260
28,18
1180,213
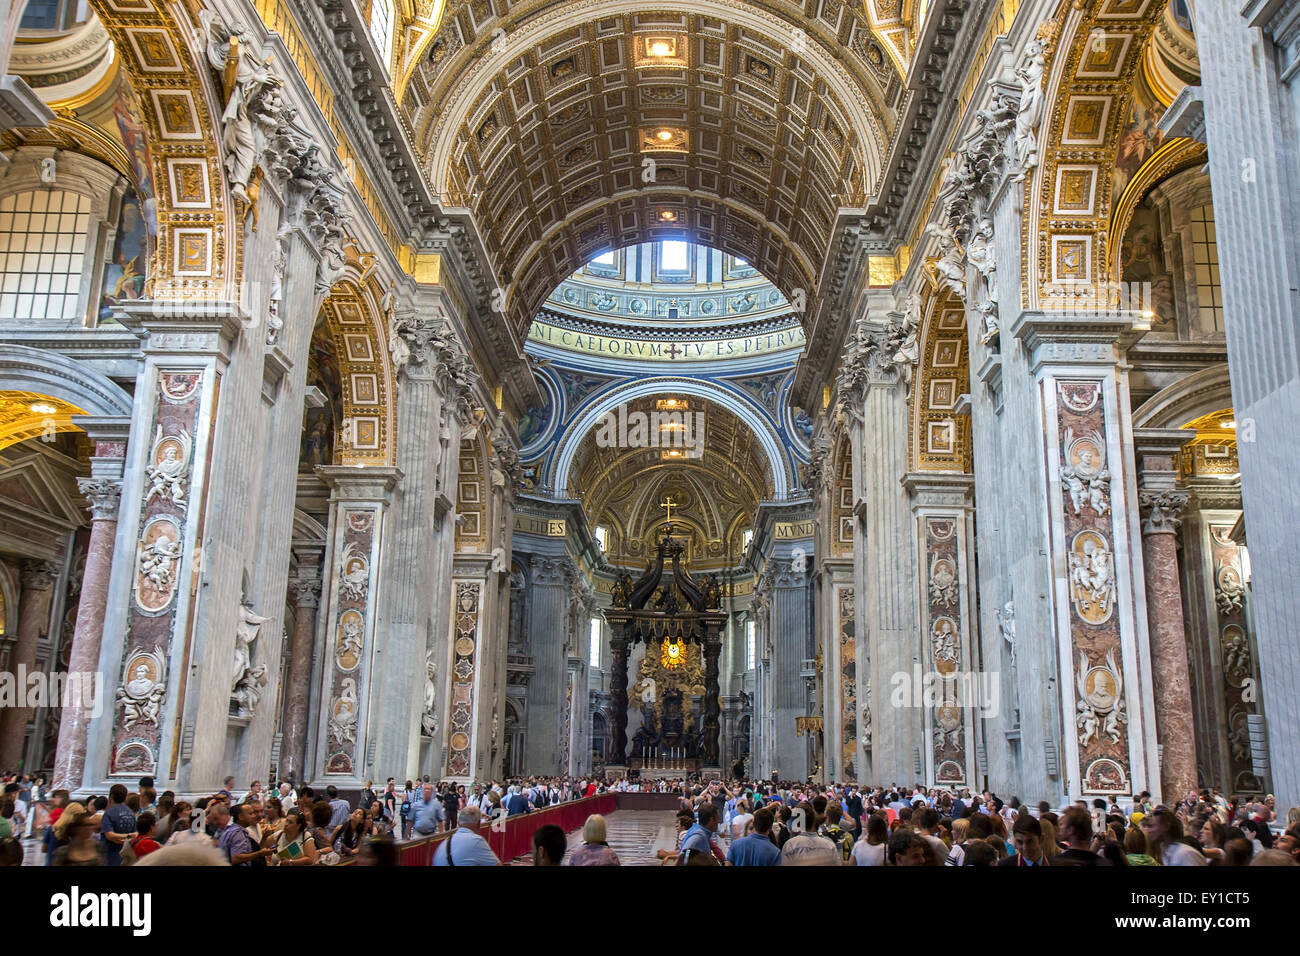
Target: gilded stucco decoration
x,y
196,256
1089,127
366,433
940,435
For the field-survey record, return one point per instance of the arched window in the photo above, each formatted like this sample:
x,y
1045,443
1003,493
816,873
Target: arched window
x,y
381,28
61,215
43,252
1205,251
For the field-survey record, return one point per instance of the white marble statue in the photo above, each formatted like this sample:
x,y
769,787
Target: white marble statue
x,y
248,678
141,698
156,562
1030,73
247,78
951,264
1084,472
429,716
170,469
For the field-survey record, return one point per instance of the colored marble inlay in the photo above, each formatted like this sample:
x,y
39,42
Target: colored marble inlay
x,y
460,744
159,568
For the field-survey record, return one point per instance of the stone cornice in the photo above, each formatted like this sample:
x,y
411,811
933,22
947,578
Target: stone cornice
x,y
373,121
938,489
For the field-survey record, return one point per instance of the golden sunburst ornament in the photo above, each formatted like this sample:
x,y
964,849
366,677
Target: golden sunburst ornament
x,y
672,653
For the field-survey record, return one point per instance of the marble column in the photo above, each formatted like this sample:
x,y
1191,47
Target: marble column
x,y
305,590
1251,109
552,579
710,759
618,702
407,586
942,506
790,630
104,495
1161,514
886,610
360,516
37,579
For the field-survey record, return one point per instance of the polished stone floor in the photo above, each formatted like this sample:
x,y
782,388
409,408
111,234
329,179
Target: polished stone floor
x,y
634,835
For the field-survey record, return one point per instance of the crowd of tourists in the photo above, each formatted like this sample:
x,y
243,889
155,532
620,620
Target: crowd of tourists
x,y
736,822
743,824
271,825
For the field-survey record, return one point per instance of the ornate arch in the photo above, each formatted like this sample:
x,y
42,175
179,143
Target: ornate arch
x,y
1068,204
889,21
939,438
750,415
545,131
840,483
26,369
1173,157
418,25
367,434
1194,396
198,255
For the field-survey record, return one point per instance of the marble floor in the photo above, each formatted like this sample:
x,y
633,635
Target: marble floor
x,y
634,835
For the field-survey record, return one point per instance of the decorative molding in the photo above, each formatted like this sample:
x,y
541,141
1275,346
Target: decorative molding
x,y
1162,511
104,496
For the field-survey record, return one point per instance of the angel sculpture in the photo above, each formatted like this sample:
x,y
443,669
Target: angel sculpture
x,y
252,99
951,264
1030,112
1101,706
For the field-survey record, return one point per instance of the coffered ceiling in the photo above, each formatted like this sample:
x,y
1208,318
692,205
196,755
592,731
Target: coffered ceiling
x,y
569,129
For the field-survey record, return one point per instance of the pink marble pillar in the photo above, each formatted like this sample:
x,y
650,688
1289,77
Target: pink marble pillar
x,y
104,495
33,619
297,681
1161,515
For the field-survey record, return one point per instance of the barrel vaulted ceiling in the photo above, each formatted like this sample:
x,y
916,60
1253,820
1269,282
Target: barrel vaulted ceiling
x,y
623,487
570,129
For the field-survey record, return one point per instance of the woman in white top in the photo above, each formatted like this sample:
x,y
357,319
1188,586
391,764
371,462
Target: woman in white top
x,y
743,820
870,848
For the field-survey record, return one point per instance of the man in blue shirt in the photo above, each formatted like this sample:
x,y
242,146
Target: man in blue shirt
x,y
465,847
757,849
699,838
117,825
340,809
426,812
517,802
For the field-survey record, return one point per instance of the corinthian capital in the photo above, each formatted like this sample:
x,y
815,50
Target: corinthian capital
x,y
1162,511
38,575
306,591
103,496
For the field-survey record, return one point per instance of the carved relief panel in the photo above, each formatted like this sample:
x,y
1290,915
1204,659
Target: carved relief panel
x,y
156,588
1095,673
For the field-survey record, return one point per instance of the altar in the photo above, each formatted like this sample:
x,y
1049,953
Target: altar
x,y
676,694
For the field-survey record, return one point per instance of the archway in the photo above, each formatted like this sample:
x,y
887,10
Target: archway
x,y
740,407
197,254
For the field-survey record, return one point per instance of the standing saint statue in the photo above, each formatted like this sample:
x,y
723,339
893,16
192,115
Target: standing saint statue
x,y
248,678
252,99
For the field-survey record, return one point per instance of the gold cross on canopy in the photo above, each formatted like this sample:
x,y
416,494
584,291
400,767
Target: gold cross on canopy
x,y
670,505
